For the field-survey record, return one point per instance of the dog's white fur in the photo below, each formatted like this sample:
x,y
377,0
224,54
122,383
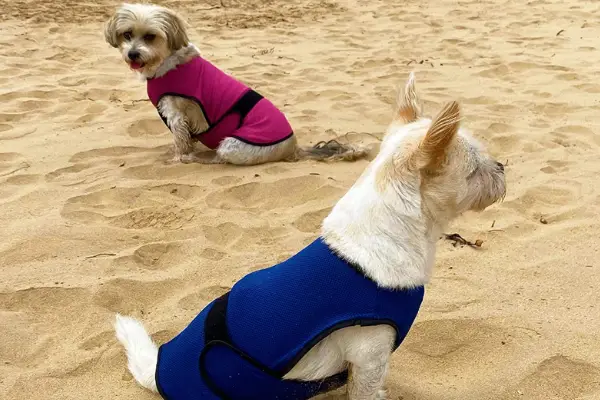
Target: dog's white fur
x,y
426,174
159,37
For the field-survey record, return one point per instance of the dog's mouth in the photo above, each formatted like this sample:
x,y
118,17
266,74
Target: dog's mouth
x,y
135,65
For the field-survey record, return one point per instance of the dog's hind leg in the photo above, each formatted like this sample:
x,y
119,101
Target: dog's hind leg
x,y
366,381
234,151
369,358
142,353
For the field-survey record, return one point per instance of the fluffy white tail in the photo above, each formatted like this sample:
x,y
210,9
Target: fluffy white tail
x,y
142,353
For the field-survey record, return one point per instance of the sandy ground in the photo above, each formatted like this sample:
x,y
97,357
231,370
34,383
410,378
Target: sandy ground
x,y
93,222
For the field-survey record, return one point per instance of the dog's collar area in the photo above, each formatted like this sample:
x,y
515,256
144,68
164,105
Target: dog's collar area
x,y
350,264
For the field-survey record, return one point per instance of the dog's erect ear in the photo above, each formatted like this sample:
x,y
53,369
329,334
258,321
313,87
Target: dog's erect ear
x,y
444,127
110,31
409,109
175,28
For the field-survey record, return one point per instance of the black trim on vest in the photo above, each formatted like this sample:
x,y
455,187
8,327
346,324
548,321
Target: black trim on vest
x,y
192,98
329,383
263,144
340,325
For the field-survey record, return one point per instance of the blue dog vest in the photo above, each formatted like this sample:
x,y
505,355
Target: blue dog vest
x,y
242,344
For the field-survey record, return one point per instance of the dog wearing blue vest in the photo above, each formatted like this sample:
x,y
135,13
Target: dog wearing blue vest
x,y
333,314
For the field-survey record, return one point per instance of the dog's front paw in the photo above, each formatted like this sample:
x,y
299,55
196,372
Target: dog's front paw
x,y
381,395
183,158
189,158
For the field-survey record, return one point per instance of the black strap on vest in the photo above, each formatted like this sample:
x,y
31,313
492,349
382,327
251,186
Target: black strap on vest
x,y
215,333
215,325
241,107
245,104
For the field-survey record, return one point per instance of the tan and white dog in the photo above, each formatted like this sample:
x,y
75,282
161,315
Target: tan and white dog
x,y
154,41
427,173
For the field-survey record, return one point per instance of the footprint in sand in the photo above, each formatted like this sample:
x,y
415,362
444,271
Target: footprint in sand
x,y
223,234
157,169
130,297
9,131
16,186
147,127
442,345
98,340
12,163
576,135
95,165
212,254
261,236
465,293
558,378
275,170
226,180
547,197
153,256
229,233
117,152
310,222
133,208
555,166
198,300
26,312
283,193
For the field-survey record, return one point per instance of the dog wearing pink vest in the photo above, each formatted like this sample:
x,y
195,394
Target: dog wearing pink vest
x,y
199,102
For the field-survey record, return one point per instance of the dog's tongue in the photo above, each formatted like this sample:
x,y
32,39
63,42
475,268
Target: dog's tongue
x,y
135,65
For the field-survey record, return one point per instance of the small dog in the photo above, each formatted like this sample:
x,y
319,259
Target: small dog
x,y
335,312
199,102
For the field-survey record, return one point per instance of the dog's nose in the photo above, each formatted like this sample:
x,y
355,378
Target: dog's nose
x,y
133,55
500,165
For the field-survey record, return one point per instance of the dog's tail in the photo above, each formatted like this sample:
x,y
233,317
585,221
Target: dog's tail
x,y
330,151
142,353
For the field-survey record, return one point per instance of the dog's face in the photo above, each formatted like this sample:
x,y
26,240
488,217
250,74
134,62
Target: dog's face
x,y
439,162
145,35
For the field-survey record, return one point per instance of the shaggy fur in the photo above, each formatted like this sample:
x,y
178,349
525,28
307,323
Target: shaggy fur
x,y
153,40
427,173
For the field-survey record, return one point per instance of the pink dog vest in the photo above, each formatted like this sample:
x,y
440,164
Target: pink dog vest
x,y
230,107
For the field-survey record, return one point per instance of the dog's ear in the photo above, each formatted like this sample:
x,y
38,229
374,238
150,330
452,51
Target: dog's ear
x,y
408,105
432,150
175,29
110,31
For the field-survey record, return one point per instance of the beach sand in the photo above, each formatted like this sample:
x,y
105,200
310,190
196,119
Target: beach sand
x,y
93,221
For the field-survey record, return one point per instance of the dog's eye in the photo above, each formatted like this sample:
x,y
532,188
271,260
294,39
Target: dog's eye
x,y
149,37
127,36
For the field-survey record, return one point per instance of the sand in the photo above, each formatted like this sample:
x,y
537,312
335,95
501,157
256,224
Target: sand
x,y
93,222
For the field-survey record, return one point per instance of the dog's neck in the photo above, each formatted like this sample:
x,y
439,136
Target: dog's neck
x,y
181,56
385,233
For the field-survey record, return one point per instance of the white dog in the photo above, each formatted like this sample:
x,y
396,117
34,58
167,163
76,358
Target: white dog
x,y
198,102
382,233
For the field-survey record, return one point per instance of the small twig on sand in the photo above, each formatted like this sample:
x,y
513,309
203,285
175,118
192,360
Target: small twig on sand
x,y
222,2
101,255
457,239
21,166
